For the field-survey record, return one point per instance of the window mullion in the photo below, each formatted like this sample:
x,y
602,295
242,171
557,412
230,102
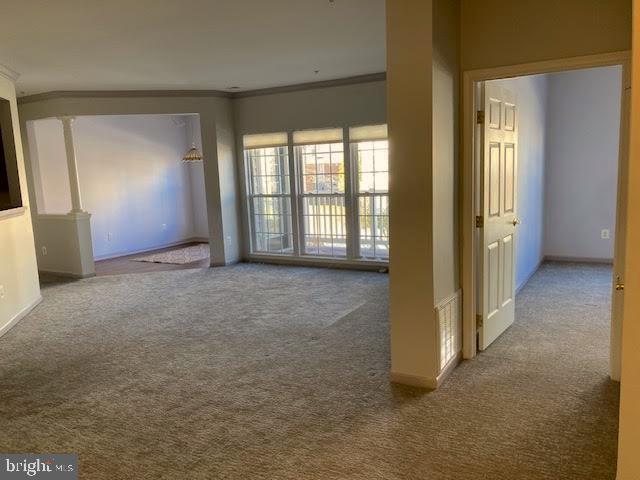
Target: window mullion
x,y
349,193
250,191
296,210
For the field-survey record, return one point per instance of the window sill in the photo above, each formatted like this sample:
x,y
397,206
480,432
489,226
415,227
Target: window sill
x,y
13,212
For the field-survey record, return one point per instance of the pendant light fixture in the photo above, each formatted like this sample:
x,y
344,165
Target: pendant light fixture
x,y
193,155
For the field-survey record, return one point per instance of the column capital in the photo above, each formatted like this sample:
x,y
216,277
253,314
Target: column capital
x,y
66,118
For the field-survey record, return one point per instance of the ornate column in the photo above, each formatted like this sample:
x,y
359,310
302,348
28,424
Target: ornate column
x,y
75,226
72,165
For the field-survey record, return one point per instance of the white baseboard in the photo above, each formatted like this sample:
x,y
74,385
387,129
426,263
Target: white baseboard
x,y
66,274
151,249
556,258
11,323
426,382
414,380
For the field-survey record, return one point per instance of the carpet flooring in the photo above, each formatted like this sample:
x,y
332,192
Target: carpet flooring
x,y
178,256
267,372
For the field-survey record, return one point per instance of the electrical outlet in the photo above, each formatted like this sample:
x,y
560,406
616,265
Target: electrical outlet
x,y
109,236
605,234
1,292
44,251
164,226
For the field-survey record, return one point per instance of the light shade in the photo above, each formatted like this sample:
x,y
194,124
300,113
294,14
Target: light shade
x,y
193,155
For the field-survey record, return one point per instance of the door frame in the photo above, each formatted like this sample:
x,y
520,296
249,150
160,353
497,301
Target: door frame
x,y
468,206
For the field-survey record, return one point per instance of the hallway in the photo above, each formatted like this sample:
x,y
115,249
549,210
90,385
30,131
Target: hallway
x,y
248,372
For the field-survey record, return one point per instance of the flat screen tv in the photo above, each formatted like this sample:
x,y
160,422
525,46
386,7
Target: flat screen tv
x,y
10,195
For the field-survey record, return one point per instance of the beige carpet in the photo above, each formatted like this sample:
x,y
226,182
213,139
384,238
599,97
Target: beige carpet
x,y
264,373
179,256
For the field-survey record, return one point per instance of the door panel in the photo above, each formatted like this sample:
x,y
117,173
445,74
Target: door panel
x,y
493,277
499,206
507,269
494,179
509,178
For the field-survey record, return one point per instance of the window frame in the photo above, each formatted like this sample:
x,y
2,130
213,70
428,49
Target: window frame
x,y
351,201
250,196
371,195
302,195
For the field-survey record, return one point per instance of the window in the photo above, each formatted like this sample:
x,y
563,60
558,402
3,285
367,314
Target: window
x,y
325,201
370,151
322,189
269,202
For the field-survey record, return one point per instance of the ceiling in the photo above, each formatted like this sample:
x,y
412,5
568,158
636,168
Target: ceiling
x,y
188,44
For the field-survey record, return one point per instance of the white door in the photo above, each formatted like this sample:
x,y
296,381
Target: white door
x,y
498,220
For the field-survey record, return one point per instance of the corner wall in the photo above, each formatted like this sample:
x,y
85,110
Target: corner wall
x,y
583,140
18,269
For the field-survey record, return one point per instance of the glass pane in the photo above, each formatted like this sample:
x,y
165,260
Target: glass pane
x,y
269,170
366,182
382,159
373,203
373,166
382,181
324,222
365,160
322,168
373,218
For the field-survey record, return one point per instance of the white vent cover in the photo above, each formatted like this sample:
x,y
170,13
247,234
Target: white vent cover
x,y
449,329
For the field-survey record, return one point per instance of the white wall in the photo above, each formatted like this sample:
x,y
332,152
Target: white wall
x,y
132,180
18,270
531,94
583,126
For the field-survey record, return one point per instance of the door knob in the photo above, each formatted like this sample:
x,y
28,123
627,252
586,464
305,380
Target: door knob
x,y
515,221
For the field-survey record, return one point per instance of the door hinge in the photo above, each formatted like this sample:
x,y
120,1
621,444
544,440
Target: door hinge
x,y
480,117
479,321
619,283
479,221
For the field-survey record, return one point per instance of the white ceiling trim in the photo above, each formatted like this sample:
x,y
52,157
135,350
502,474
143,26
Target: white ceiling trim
x,y
360,79
8,73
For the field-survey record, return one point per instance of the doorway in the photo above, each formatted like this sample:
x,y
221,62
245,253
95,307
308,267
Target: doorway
x,y
493,246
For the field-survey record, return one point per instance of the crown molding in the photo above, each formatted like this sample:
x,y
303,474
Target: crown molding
x,y
8,73
374,77
338,82
38,97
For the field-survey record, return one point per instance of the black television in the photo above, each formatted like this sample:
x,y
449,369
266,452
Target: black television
x,y
10,195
